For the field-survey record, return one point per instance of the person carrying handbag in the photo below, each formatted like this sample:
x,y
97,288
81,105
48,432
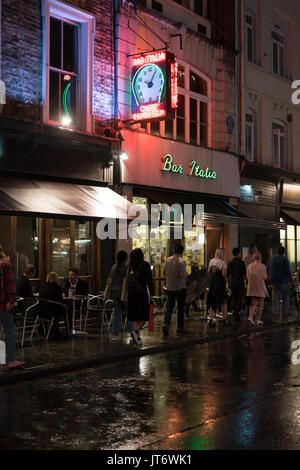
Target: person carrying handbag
x,y
136,287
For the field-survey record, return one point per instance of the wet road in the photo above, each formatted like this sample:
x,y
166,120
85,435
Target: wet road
x,y
233,394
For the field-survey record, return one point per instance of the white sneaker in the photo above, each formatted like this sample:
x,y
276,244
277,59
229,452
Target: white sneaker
x,y
251,321
137,339
115,337
259,322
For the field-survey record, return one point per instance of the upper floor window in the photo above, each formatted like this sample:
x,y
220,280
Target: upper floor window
x,y
157,6
278,53
198,6
250,133
63,72
278,134
250,38
192,116
67,83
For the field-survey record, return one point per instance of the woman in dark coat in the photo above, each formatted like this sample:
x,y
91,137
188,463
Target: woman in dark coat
x,y
139,278
50,290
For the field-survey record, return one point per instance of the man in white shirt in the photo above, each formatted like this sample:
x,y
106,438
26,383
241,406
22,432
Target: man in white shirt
x,y
176,277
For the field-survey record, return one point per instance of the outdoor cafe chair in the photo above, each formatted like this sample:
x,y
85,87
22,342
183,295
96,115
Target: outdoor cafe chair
x,y
46,315
94,306
25,314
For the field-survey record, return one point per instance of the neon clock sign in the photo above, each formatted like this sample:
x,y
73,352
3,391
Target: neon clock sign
x,y
154,88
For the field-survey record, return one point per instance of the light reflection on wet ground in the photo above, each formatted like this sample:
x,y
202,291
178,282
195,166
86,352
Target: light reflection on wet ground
x,y
235,394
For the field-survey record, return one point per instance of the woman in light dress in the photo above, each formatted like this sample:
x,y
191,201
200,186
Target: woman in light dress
x,y
256,290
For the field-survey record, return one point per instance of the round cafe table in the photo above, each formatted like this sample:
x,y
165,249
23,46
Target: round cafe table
x,y
73,299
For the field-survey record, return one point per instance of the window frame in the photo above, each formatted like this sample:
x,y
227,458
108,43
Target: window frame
x,y
280,46
251,126
188,94
251,28
280,161
86,23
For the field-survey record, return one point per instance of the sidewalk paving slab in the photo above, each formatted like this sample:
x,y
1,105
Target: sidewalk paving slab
x,y
87,351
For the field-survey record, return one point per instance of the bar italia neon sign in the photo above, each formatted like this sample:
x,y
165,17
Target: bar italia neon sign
x,y
169,166
154,86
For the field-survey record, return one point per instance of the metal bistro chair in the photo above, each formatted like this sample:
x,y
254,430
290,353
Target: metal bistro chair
x,y
46,315
25,316
103,309
94,307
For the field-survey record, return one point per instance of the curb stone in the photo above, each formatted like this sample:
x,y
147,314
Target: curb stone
x,y
49,370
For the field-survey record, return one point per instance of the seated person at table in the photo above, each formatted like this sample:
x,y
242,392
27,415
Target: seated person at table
x,y
23,285
74,282
51,290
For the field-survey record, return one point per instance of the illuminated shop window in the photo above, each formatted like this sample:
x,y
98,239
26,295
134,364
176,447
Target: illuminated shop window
x,y
28,244
83,247
61,243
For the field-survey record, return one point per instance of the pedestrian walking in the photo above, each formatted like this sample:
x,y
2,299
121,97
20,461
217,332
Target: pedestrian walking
x,y
217,295
137,283
279,272
117,275
236,275
249,257
7,303
256,289
176,278
192,289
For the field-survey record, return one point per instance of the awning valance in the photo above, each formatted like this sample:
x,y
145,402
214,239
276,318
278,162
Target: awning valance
x,y
48,198
291,217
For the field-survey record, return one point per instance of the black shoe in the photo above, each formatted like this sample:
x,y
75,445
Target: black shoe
x,y
165,329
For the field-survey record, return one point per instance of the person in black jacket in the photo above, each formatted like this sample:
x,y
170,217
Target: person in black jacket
x,y
51,290
138,280
236,274
74,282
23,285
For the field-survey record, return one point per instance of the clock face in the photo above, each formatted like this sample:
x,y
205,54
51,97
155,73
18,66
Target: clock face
x,y
148,84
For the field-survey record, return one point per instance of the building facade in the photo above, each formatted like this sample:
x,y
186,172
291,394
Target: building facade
x,y
269,33
204,131
57,135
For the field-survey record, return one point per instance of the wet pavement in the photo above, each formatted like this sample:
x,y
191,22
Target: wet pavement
x,y
82,351
240,393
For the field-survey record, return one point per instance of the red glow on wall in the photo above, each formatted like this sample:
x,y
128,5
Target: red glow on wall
x,y
174,85
150,58
149,111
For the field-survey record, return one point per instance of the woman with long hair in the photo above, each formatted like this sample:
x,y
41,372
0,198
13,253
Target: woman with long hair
x,y
117,274
217,294
139,281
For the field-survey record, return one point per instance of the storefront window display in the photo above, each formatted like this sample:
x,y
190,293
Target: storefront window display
x,y
61,242
290,240
83,247
28,244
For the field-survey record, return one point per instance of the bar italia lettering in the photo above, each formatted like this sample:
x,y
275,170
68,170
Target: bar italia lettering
x,y
194,169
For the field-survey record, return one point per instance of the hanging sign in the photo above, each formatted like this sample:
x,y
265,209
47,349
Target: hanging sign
x,y
154,87
168,165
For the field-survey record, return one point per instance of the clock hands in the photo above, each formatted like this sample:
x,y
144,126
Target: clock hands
x,y
150,83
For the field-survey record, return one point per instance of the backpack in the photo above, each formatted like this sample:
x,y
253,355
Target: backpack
x,y
133,280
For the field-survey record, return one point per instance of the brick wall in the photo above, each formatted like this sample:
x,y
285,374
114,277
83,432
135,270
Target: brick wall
x,y
22,56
